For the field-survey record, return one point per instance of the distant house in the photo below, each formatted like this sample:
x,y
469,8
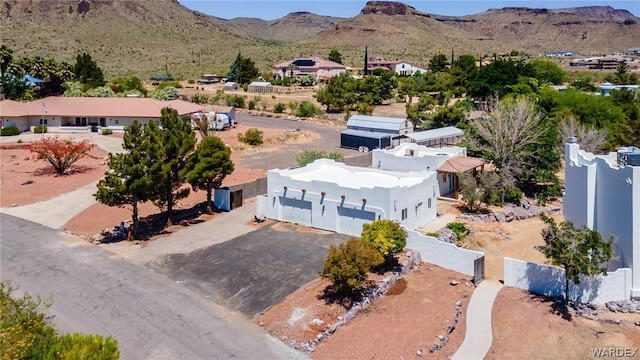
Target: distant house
x,y
399,67
374,132
607,87
603,193
333,196
231,86
299,67
449,162
633,51
209,79
262,87
446,136
84,114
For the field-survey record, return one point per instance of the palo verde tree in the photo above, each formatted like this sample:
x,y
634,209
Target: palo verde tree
x,y
60,154
128,182
208,166
578,251
386,236
171,146
348,264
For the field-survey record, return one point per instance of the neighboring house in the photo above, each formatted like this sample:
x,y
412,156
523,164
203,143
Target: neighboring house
x,y
374,132
261,87
606,88
299,67
603,193
449,162
399,67
333,196
436,138
79,114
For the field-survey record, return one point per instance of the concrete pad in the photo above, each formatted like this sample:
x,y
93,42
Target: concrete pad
x,y
56,212
438,223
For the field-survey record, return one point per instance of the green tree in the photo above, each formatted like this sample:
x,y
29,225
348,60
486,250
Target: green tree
x,y
86,71
208,166
338,94
73,89
248,71
548,72
508,138
578,251
253,137
386,236
13,87
494,78
335,56
128,181
444,116
420,111
348,264
25,334
438,63
236,68
166,93
407,88
6,56
101,91
309,156
128,85
471,192
171,146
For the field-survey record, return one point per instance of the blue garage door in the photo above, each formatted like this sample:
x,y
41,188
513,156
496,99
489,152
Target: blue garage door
x,y
350,221
295,211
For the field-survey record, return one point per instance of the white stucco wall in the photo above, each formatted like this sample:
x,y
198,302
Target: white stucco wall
x,y
423,158
345,204
606,197
443,254
404,68
550,281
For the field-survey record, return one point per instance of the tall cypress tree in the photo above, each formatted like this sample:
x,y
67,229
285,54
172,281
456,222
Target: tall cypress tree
x,y
236,68
366,60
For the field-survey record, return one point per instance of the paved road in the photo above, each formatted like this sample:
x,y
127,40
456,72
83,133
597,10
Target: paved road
x,y
285,156
151,316
253,271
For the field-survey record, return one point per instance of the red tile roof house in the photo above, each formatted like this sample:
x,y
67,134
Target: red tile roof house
x,y
85,114
400,67
299,67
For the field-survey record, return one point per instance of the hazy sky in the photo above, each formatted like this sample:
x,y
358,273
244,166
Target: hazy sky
x,y
270,10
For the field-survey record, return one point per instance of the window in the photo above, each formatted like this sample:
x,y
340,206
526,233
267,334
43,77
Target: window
x,y
429,203
116,121
404,213
444,178
43,121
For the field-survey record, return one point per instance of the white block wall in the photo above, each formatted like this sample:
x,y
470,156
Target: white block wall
x,y
447,255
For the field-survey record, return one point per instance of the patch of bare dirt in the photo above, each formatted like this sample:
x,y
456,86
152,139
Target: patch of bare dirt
x,y
26,179
525,327
407,319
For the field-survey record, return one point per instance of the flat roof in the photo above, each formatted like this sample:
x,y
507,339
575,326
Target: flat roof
x,y
434,134
422,151
366,134
353,177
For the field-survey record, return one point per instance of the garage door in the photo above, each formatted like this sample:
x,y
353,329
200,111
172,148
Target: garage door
x,y
350,221
295,211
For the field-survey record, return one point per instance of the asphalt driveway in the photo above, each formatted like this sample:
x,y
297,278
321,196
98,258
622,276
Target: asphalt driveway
x,y
254,271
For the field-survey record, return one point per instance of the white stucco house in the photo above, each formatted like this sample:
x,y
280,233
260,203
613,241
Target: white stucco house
x,y
603,193
333,196
400,67
84,114
449,162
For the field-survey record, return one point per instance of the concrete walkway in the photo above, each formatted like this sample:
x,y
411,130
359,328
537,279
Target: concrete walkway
x,y
56,212
479,336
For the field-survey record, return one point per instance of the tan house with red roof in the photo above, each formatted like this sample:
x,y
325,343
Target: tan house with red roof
x,y
77,114
316,67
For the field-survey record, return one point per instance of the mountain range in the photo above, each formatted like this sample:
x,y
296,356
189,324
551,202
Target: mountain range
x,y
144,38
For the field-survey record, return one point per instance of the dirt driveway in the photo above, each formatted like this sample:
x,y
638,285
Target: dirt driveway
x,y
254,271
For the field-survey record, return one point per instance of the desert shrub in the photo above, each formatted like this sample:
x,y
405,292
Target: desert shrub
x,y
309,156
386,236
252,104
60,154
236,101
433,234
200,99
348,264
307,109
470,191
293,106
245,87
40,129
9,131
252,137
459,229
191,81
365,108
107,131
490,191
279,108
512,195
165,84
20,141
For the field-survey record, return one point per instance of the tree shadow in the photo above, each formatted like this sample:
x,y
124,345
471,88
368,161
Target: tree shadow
x,y
390,264
556,305
331,295
155,224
